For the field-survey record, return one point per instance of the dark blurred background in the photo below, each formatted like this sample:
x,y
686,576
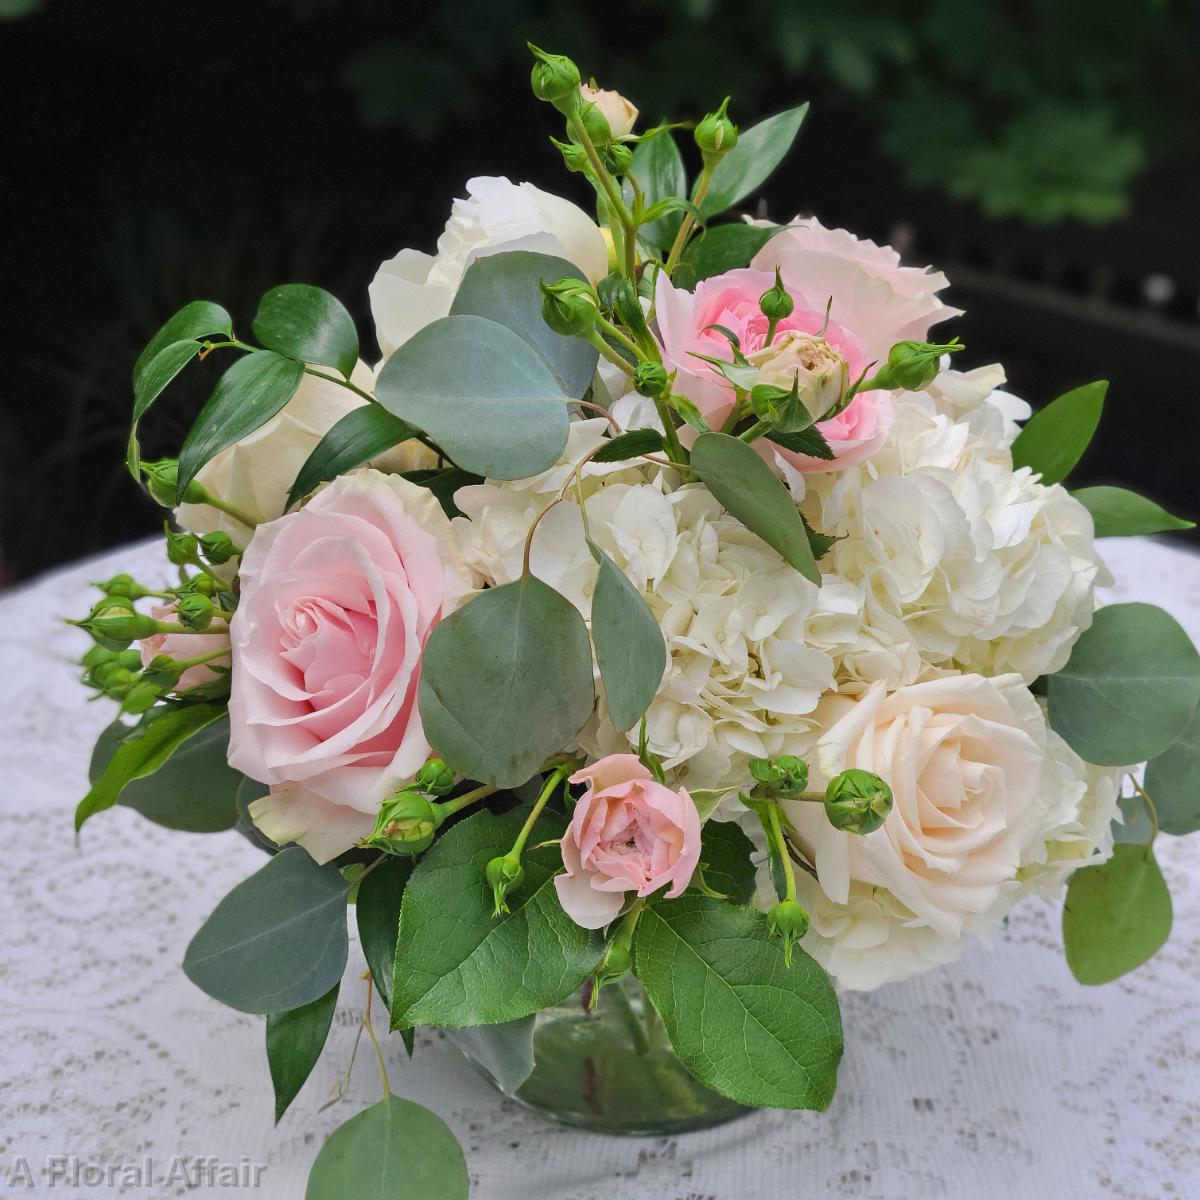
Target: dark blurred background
x,y
1045,153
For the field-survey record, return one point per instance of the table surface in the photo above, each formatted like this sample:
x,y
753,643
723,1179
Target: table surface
x,y
996,1077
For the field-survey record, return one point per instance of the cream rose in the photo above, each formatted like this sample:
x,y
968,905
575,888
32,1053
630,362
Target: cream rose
x,y
617,111
413,289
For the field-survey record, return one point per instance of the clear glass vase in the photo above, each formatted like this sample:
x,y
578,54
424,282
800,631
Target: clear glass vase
x,y
612,1069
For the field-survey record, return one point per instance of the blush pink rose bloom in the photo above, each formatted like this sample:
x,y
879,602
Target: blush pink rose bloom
x,y
337,602
732,301
184,646
628,833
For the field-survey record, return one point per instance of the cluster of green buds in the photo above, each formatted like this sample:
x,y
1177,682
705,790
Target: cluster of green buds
x,y
408,821
857,801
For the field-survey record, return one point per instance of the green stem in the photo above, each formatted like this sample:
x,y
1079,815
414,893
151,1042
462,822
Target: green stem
x,y
775,829
518,847
612,194
449,807
672,444
229,509
606,351
201,659
772,323
685,226
755,431
1145,795
618,335
383,1075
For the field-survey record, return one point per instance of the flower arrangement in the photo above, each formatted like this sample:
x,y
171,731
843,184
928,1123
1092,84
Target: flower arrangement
x,y
665,606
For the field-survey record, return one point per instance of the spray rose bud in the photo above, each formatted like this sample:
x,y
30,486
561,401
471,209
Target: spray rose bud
x,y
218,547
716,135
650,378
125,586
206,585
574,155
117,628
775,302
504,874
406,824
789,922
618,112
142,695
595,123
618,159
435,778
194,611
857,801
912,366
111,604
570,307
162,482
182,548
162,670
810,370
785,776
555,79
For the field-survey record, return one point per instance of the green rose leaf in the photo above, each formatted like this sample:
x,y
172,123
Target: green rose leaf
x,y
152,382
277,941
719,249
750,491
741,1021
629,445
142,752
308,324
362,434
506,681
658,168
629,644
1056,436
504,1051
295,1040
725,853
193,790
456,964
1117,915
378,911
1129,688
504,288
810,441
1117,512
1173,781
482,393
246,397
193,322
759,150
394,1149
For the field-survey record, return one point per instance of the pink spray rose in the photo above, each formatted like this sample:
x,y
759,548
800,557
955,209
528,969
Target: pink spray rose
x,y
628,834
337,602
183,646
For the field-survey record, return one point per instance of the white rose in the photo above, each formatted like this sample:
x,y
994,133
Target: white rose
x,y
256,474
413,290
620,114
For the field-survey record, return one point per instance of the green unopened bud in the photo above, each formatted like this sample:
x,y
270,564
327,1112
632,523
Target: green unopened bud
x,y
124,585
775,302
574,155
504,874
789,922
857,801
596,125
435,778
716,135
162,482
618,158
912,366
570,307
117,629
616,964
650,378
117,681
182,548
204,585
163,671
784,777
141,696
406,824
194,611
218,547
555,79
111,604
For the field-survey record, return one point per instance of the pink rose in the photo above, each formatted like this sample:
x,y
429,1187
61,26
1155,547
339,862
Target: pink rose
x,y
732,301
182,646
628,834
337,602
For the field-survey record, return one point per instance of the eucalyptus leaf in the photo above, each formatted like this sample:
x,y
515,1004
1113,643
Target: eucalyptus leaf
x,y
1055,437
741,1021
630,649
277,941
394,1150
506,681
629,445
193,322
658,168
378,912
308,324
142,752
1136,826
1116,916
1173,781
750,491
246,397
504,1051
1129,689
1117,512
151,382
718,249
295,1040
362,434
725,855
456,964
759,150
505,288
482,393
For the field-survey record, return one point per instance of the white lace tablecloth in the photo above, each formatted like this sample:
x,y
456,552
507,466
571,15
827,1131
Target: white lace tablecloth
x,y
997,1078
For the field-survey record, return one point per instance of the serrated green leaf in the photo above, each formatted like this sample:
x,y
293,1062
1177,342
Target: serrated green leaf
x,y
725,855
277,941
1056,436
378,912
456,964
658,168
1173,781
759,150
505,288
1116,916
1129,689
630,445
394,1150
1117,512
246,397
482,393
308,324
295,1040
810,441
750,491
506,681
741,1021
718,249
630,649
